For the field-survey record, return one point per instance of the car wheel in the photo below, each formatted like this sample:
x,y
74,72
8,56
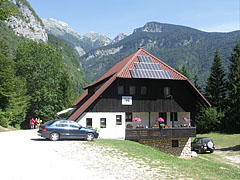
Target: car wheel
x,y
90,137
54,136
211,150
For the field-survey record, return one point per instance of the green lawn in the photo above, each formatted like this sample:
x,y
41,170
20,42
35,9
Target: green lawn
x,y
205,166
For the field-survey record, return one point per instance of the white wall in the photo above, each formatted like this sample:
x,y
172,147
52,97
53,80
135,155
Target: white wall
x,y
112,131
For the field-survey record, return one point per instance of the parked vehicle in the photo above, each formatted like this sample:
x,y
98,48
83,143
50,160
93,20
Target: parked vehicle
x,y
203,144
66,129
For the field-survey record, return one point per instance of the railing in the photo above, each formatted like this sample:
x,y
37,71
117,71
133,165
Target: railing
x,y
151,133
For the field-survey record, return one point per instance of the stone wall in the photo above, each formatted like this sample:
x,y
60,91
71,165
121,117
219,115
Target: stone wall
x,y
165,145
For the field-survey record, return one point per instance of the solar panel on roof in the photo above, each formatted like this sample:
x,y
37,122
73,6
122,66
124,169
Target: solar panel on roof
x,y
151,74
150,66
146,59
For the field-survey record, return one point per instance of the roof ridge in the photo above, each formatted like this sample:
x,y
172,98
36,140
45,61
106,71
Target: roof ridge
x,y
132,58
165,64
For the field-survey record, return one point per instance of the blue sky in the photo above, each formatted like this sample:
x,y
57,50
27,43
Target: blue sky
x,y
110,17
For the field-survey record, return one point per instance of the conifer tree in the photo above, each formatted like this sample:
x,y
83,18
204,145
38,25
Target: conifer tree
x,y
233,114
215,90
48,84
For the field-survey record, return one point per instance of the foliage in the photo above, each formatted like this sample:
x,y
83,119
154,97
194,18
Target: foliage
x,y
208,120
6,12
13,99
233,116
71,64
48,84
215,90
184,71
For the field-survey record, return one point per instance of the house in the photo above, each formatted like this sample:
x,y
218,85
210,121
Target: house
x,y
142,87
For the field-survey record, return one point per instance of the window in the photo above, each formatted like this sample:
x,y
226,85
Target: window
x,y
173,116
143,90
164,116
118,119
120,90
132,90
174,143
128,117
89,122
167,92
102,122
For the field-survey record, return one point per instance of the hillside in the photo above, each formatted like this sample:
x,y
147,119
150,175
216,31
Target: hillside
x,y
72,64
176,45
15,35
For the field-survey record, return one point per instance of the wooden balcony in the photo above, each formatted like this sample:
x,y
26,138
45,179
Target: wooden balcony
x,y
149,133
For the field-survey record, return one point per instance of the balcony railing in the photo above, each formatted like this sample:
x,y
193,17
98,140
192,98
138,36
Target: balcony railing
x,y
150,133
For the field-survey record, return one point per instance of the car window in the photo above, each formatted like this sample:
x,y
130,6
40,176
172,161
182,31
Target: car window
x,y
48,123
74,124
62,125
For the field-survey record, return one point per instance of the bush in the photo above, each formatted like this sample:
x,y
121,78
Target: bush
x,y
208,119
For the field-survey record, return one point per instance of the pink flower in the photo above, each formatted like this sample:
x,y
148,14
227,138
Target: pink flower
x,y
160,119
186,119
136,119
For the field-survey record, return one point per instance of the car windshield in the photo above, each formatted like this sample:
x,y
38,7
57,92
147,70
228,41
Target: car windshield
x,y
205,140
197,140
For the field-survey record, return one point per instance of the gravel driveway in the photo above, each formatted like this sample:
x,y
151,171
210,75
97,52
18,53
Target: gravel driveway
x,y
26,156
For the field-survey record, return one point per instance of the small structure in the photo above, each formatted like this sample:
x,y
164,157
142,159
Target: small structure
x,y
125,102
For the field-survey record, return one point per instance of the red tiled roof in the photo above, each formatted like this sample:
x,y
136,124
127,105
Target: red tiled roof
x,y
122,70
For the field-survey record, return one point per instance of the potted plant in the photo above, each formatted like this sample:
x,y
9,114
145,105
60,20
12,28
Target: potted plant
x,y
160,121
187,121
155,126
138,120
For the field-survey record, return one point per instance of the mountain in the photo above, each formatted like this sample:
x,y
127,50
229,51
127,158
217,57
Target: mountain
x,y
174,44
26,22
81,44
119,37
27,26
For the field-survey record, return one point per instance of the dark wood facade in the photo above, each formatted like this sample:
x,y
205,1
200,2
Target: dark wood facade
x,y
183,97
136,134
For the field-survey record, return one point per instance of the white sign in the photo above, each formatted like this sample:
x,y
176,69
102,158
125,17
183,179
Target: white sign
x,y
126,100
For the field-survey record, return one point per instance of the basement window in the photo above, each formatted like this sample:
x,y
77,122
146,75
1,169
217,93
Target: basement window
x,y
103,122
175,143
118,119
89,122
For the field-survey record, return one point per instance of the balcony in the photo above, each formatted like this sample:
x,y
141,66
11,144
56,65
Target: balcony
x,y
150,133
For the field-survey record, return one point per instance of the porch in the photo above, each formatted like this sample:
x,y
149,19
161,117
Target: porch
x,y
154,133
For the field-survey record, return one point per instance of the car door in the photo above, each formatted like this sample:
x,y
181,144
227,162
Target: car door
x,y
77,132
197,144
63,128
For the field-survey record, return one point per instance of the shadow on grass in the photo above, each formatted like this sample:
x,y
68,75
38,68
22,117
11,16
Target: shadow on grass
x,y
234,148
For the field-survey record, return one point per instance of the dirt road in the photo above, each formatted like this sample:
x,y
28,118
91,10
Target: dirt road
x,y
26,156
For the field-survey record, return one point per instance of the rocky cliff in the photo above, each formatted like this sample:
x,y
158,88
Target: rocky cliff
x,y
26,22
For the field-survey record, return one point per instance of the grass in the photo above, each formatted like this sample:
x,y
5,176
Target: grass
x,y
200,168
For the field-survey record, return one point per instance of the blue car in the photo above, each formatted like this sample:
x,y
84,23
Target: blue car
x,y
65,129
